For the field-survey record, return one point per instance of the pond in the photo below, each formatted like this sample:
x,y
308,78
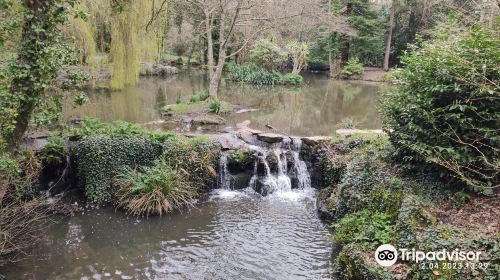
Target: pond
x,y
233,235
318,107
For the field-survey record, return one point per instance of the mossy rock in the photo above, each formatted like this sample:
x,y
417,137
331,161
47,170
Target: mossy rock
x,y
240,161
354,262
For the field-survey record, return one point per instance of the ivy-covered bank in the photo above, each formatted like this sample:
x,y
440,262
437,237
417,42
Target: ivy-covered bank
x,y
370,200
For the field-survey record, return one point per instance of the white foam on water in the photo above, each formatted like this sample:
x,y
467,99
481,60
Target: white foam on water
x,y
225,194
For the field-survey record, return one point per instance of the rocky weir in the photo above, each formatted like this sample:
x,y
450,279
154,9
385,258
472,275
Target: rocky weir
x,y
267,162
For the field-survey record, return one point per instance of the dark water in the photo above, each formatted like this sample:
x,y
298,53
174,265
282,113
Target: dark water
x,y
319,107
231,236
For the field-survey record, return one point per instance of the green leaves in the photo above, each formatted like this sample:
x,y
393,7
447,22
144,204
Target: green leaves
x,y
446,106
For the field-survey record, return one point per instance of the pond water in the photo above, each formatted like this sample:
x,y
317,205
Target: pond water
x,y
319,107
233,235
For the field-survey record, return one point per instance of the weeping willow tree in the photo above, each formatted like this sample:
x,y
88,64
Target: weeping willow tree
x,y
121,33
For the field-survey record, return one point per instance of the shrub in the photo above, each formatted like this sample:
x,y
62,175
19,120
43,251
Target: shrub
x,y
291,79
100,158
94,127
196,157
54,152
267,54
157,189
369,227
201,96
253,74
214,106
446,107
352,68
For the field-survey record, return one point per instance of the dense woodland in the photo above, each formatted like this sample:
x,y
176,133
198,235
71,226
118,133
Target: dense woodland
x,y
442,58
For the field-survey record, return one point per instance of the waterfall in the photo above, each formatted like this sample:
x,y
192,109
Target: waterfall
x,y
225,178
277,168
301,167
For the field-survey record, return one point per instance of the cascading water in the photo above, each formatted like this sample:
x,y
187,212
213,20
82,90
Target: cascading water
x,y
276,168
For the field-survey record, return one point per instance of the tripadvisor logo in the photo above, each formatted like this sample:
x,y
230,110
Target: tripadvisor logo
x,y
387,255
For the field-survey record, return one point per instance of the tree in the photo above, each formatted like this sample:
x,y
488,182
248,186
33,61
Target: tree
x,y
363,35
299,52
267,54
38,59
389,37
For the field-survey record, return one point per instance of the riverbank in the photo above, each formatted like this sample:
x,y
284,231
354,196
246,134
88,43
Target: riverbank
x,y
372,200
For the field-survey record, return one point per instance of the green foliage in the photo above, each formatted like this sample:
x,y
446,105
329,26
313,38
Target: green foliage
x,y
446,106
201,96
214,106
18,175
291,79
265,53
196,157
54,152
352,68
155,189
369,26
253,74
41,53
94,127
371,228
100,158
9,168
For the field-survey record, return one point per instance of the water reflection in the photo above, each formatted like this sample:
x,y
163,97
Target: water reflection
x,y
317,108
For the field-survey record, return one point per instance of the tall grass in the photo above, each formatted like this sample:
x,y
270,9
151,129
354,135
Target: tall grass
x,y
156,189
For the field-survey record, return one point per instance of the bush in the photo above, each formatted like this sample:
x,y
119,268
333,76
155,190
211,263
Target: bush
x,y
267,54
214,106
201,96
100,158
291,79
54,152
446,107
157,189
352,68
252,74
94,127
368,227
196,157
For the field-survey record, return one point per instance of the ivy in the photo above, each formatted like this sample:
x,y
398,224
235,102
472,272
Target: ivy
x,y
25,83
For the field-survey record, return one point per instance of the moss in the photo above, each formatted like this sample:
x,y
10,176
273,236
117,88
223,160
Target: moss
x,y
352,263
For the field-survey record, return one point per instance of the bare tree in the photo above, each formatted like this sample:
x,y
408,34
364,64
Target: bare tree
x,y
237,23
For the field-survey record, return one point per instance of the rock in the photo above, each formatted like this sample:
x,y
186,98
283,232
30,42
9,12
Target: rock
x,y
244,110
209,120
230,142
346,132
243,124
245,135
270,137
315,140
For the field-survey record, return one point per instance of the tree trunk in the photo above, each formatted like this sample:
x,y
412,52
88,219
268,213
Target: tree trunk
x,y
27,104
344,40
389,39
